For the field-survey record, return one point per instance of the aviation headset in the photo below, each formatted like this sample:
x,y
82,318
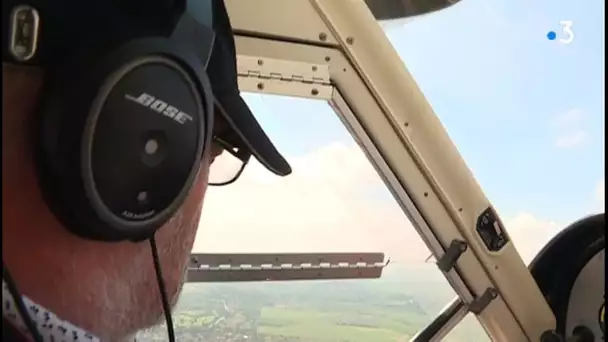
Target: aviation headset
x,y
126,111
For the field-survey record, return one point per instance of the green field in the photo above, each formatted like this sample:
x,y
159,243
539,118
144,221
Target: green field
x,y
333,326
390,309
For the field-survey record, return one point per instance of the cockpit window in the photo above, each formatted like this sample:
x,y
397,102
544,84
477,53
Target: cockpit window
x,y
333,202
525,111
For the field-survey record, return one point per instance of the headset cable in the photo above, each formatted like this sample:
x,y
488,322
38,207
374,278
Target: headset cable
x,y
162,289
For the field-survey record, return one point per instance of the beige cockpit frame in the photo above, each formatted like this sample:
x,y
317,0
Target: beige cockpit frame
x,y
336,50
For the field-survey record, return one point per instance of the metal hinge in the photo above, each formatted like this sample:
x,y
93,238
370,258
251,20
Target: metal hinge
x,y
281,77
283,70
252,267
480,303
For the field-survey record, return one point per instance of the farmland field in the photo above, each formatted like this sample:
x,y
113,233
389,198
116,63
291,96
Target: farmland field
x,y
393,308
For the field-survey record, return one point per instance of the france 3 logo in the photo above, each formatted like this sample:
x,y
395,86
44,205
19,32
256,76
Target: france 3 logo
x,y
565,34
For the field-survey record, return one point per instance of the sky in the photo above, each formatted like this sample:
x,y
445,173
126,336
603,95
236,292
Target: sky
x,y
526,113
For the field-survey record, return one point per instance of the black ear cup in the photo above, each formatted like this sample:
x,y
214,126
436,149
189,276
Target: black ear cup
x,y
121,138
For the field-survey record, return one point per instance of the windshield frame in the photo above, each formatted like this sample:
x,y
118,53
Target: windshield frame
x,y
422,163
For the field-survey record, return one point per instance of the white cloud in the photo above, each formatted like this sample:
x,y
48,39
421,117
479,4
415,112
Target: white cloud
x,y
331,203
572,139
569,118
530,234
569,129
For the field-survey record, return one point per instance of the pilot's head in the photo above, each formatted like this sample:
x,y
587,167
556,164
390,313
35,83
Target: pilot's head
x,y
102,152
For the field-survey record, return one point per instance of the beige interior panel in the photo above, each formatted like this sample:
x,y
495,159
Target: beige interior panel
x,y
275,18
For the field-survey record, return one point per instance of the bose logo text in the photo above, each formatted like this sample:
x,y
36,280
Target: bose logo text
x,y
160,106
